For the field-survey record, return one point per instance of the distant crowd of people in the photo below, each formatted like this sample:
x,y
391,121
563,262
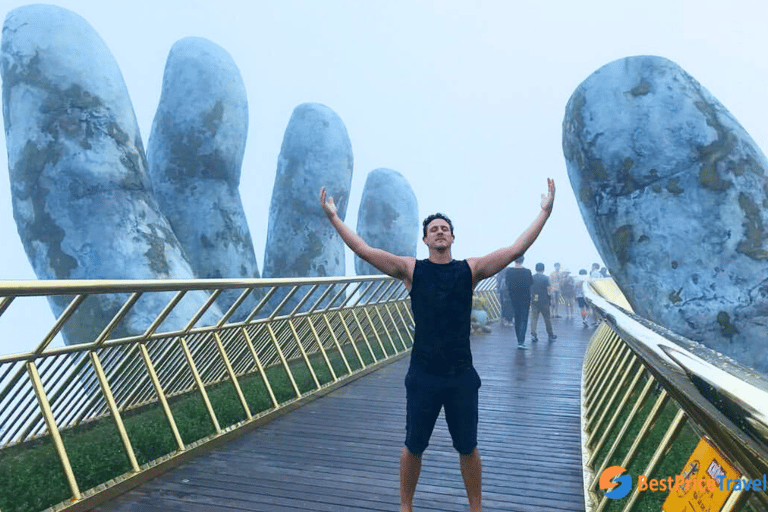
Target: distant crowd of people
x,y
525,295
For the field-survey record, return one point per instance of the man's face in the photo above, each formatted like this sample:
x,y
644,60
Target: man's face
x,y
438,235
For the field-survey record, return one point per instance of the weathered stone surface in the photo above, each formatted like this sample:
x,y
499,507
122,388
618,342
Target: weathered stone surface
x,y
316,152
388,217
81,196
195,154
674,194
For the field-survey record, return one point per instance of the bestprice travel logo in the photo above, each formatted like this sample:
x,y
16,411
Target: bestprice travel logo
x,y
616,486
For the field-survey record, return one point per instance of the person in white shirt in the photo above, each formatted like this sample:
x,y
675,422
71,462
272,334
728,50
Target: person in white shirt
x,y
583,306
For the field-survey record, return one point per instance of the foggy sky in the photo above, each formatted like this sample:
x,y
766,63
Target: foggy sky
x,y
465,99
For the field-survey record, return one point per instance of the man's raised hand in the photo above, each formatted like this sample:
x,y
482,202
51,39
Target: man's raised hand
x,y
328,206
547,201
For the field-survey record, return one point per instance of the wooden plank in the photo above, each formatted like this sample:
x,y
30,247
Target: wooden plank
x,y
341,452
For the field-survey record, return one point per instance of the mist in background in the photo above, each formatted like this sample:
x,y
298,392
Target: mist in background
x,y
465,101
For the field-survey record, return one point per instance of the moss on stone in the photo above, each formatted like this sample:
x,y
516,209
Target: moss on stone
x,y
624,174
187,158
212,120
42,228
674,296
577,151
158,238
205,242
673,185
585,194
641,89
656,188
727,328
117,133
754,231
622,240
302,265
597,170
573,125
718,150
381,216
748,164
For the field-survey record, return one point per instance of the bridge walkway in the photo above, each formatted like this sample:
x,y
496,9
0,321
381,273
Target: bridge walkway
x,y
341,452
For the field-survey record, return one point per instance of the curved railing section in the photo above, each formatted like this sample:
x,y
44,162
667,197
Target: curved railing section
x,y
688,425
139,393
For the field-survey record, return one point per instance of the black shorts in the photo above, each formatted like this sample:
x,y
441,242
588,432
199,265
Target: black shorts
x,y
582,302
426,394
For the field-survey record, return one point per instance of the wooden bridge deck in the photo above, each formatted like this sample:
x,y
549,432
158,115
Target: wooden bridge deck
x,y
341,452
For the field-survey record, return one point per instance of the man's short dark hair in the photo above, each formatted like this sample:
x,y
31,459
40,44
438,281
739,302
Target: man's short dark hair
x,y
539,267
520,260
436,216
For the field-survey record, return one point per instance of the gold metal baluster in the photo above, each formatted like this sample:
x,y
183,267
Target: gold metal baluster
x,y
45,407
200,385
402,319
282,358
375,332
394,326
232,375
349,336
322,350
303,353
249,341
365,337
658,407
336,342
644,394
666,442
377,308
68,312
611,355
620,372
96,362
616,411
161,396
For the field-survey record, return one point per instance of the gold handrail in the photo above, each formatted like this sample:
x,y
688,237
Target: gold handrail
x,y
646,389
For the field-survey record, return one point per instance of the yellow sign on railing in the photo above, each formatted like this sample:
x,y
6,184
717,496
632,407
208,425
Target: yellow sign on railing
x,y
704,483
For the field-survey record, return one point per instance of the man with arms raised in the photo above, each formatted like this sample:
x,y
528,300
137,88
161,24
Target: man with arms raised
x,y
441,372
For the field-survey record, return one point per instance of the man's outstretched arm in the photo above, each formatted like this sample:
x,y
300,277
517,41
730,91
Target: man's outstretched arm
x,y
399,267
492,263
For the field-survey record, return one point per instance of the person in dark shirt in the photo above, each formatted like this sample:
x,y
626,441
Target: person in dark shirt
x,y
441,374
540,303
519,280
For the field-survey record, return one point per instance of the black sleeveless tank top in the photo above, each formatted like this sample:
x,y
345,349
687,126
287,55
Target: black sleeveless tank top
x,y
441,299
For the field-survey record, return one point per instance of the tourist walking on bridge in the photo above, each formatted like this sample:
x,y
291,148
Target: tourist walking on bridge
x,y
555,280
581,282
540,301
519,281
441,372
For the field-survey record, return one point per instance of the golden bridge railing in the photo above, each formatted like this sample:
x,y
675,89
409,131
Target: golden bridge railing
x,y
108,413
649,398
